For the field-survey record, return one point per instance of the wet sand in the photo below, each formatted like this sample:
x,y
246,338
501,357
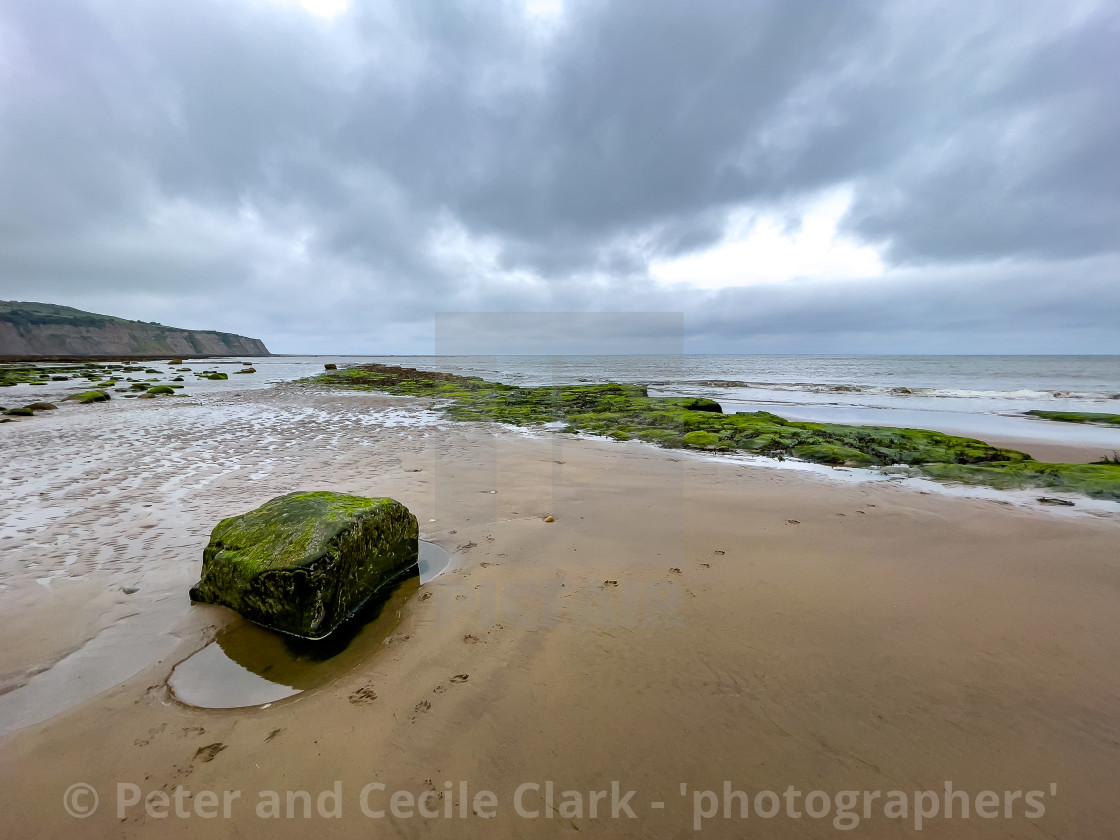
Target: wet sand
x,y
682,621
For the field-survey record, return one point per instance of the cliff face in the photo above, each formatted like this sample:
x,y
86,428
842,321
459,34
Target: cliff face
x,y
43,329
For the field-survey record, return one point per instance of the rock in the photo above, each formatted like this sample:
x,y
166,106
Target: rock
x,y
217,376
1051,500
175,362
305,562
160,389
899,469
701,439
246,370
89,397
330,366
130,590
702,404
42,406
20,412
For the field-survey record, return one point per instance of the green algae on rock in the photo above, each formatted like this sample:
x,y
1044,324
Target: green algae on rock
x,y
1094,417
89,397
305,562
217,376
1098,481
627,412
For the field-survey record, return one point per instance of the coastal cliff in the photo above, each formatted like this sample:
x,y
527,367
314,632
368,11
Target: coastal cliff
x,y
45,329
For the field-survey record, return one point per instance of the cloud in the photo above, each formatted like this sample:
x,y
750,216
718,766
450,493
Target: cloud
x,y
330,176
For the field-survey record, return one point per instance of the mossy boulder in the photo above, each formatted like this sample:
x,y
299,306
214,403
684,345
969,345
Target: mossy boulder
x,y
833,455
305,562
701,439
41,406
89,397
217,376
701,404
161,389
246,370
330,366
20,412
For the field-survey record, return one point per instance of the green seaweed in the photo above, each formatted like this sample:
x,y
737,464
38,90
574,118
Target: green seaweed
x,y
89,397
1096,418
161,389
628,412
1098,481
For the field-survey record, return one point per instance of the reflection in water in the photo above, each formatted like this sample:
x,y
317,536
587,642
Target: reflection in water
x,y
248,665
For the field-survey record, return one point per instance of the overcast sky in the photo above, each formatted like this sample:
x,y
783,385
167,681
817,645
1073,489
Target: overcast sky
x,y
792,175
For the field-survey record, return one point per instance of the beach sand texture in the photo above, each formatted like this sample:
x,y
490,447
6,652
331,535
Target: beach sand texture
x,y
681,621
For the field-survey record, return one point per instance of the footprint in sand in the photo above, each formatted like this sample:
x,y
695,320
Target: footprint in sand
x,y
274,733
152,733
423,706
209,752
363,695
675,570
471,639
719,553
460,678
792,522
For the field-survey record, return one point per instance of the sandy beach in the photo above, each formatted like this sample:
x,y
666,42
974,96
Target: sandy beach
x,y
686,628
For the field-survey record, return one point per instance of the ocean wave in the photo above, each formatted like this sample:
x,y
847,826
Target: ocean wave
x,y
1023,394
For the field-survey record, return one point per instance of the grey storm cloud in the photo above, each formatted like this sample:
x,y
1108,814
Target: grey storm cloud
x,y
330,184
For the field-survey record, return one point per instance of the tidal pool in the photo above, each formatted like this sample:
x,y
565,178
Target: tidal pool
x,y
249,665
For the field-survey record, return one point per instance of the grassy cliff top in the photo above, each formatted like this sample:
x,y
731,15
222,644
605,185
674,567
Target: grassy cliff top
x,y
30,313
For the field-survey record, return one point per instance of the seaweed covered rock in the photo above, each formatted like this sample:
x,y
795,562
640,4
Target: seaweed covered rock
x,y
305,562
216,376
701,404
89,397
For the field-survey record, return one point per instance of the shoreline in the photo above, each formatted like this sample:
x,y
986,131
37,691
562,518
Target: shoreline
x,y
884,638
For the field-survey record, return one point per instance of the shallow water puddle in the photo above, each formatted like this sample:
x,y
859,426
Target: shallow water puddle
x,y
247,665
433,561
